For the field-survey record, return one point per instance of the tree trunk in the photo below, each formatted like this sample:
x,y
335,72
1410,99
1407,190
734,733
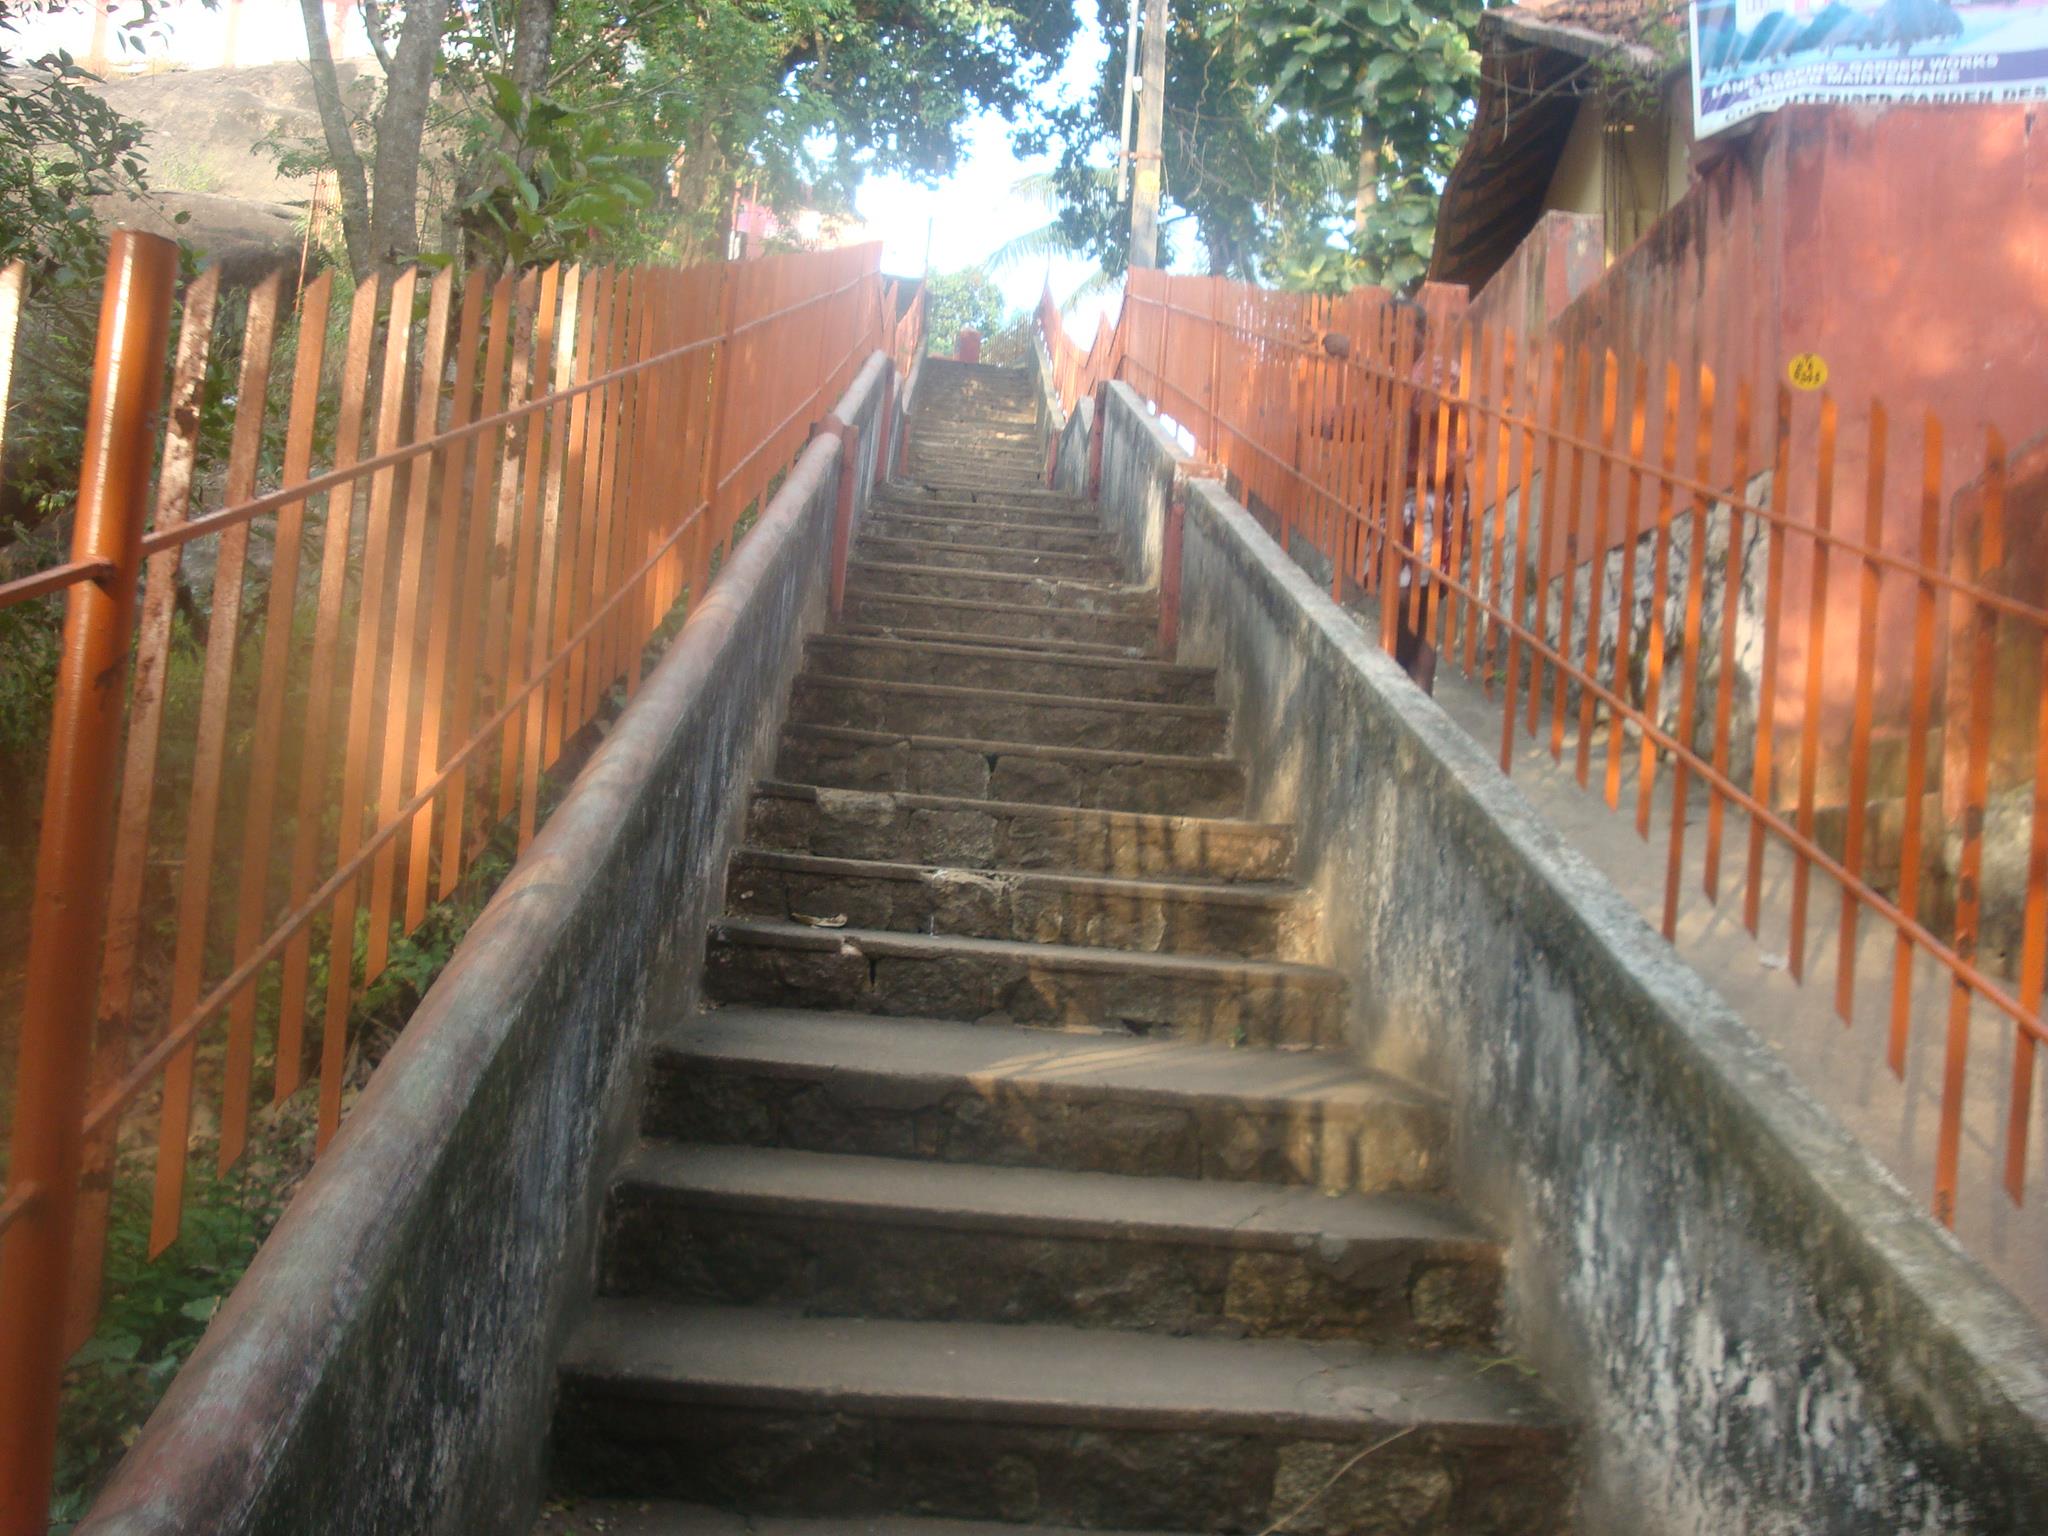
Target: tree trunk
x,y
341,148
394,236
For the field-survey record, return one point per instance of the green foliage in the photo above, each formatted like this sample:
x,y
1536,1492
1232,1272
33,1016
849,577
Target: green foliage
x,y
959,299
1399,75
790,102
568,182
60,146
1305,140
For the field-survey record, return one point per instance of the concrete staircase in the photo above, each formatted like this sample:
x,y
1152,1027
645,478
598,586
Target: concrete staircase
x,y
1016,1175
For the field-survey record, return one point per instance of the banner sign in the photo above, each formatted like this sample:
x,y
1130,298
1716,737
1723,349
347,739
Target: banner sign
x,y
1754,56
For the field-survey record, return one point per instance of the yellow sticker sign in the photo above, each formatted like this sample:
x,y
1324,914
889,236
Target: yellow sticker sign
x,y
1809,370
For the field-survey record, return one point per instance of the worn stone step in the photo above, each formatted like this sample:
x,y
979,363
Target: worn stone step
x,y
671,1517
849,1236
1028,535
949,976
1038,499
1015,645
985,714
987,443
961,555
849,757
1023,620
1011,669
1031,508
1031,906
904,580
1014,1096
956,482
969,832
832,1416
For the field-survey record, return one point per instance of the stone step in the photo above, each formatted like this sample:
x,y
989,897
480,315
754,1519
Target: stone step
x,y
852,757
984,714
1032,906
1021,646
848,1236
964,555
830,1416
1014,1096
969,832
950,976
1012,669
669,1517
950,481
1027,508
905,580
912,490
1022,620
1035,537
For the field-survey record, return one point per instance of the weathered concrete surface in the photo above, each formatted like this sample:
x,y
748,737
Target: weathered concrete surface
x,y
1762,1331
387,1364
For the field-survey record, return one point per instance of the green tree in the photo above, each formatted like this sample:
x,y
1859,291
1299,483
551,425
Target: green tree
x,y
1395,78
1304,144
956,300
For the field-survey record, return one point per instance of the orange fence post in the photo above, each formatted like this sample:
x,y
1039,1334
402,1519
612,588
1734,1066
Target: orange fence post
x,y
848,434
71,886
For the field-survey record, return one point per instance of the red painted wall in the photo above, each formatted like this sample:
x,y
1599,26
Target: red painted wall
x,y
1908,247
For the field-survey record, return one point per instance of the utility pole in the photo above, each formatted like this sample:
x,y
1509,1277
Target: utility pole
x,y
1123,143
1151,134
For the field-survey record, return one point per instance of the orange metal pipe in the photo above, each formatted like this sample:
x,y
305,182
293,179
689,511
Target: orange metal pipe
x,y
71,888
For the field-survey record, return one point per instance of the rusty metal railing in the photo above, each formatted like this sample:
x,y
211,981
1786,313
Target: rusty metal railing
x,y
445,529
1710,584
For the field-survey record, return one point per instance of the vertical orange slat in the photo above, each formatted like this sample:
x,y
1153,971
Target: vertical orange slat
x,y
1456,496
443,616
114,1024
577,531
1816,659
1859,730
1479,398
1625,601
354,802
544,638
519,637
1398,413
1575,495
1689,655
1660,571
1603,484
1540,622
195,891
1431,467
405,625
314,757
474,619
259,817
1969,894
602,537
1510,697
1767,686
1731,607
1919,719
1502,433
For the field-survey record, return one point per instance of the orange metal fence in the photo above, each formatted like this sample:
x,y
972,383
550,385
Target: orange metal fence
x,y
1698,586
445,523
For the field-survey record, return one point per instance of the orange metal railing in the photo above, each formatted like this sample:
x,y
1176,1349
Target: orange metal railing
x,y
1075,372
443,530
1720,587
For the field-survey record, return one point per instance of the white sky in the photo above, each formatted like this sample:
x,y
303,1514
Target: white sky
x,y
974,212
965,218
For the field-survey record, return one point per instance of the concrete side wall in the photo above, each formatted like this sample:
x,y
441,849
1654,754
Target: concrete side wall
x,y
1760,1330
387,1364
